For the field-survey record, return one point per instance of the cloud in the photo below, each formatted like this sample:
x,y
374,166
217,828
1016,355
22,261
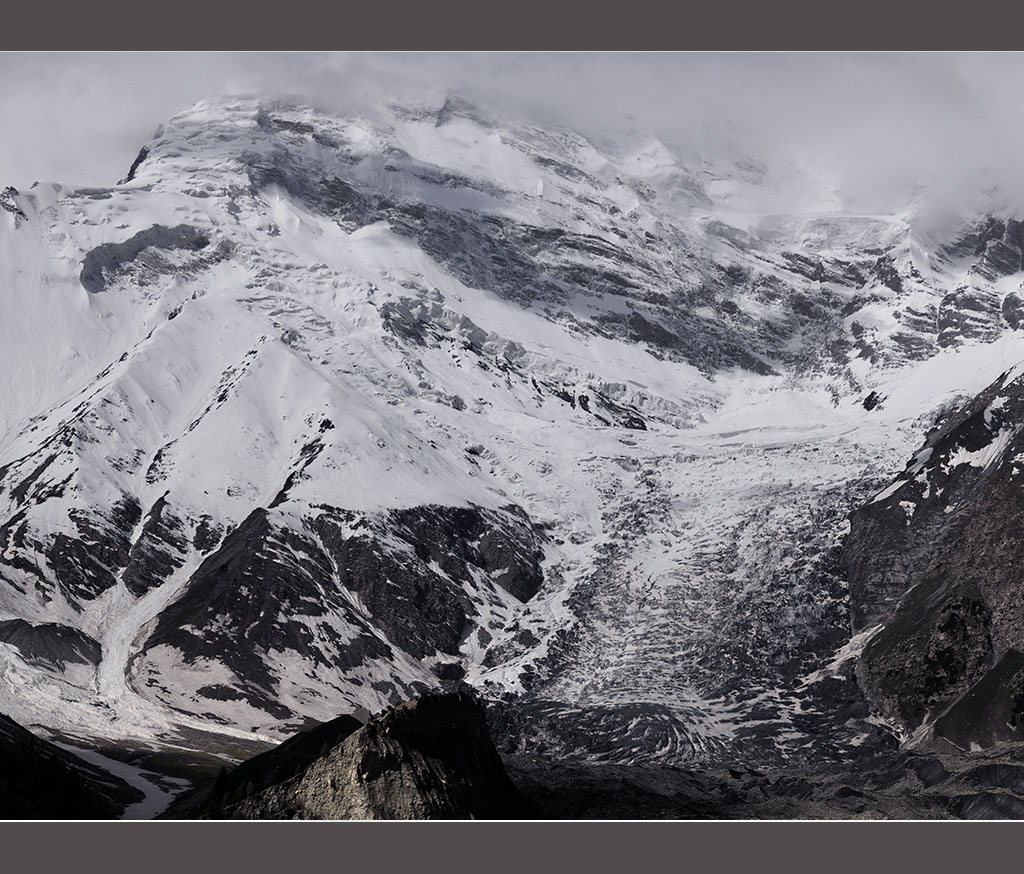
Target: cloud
x,y
869,125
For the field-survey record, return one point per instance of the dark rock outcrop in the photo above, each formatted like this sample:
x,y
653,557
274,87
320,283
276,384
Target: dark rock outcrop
x,y
934,560
241,591
1013,310
8,203
968,312
143,154
430,758
885,272
87,565
104,263
50,643
158,550
1000,249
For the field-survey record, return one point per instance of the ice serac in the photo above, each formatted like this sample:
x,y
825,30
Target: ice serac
x,y
934,562
313,413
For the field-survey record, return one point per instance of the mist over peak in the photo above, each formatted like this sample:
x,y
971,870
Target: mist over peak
x,y
858,132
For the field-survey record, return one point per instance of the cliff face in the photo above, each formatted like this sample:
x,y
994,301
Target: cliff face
x,y
430,758
935,578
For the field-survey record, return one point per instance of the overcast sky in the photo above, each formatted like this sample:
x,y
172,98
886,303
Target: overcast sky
x,y
871,121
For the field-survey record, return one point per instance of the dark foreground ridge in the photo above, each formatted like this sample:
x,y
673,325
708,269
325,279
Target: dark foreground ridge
x,y
940,783
430,758
39,780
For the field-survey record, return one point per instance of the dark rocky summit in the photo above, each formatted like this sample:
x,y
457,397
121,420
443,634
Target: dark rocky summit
x,y
430,758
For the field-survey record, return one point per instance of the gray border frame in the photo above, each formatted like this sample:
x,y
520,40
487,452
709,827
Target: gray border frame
x,y
493,847
525,25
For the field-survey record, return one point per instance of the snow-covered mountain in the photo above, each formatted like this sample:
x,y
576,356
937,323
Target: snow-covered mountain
x,y
311,412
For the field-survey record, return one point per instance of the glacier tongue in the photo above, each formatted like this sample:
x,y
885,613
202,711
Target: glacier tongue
x,y
312,412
